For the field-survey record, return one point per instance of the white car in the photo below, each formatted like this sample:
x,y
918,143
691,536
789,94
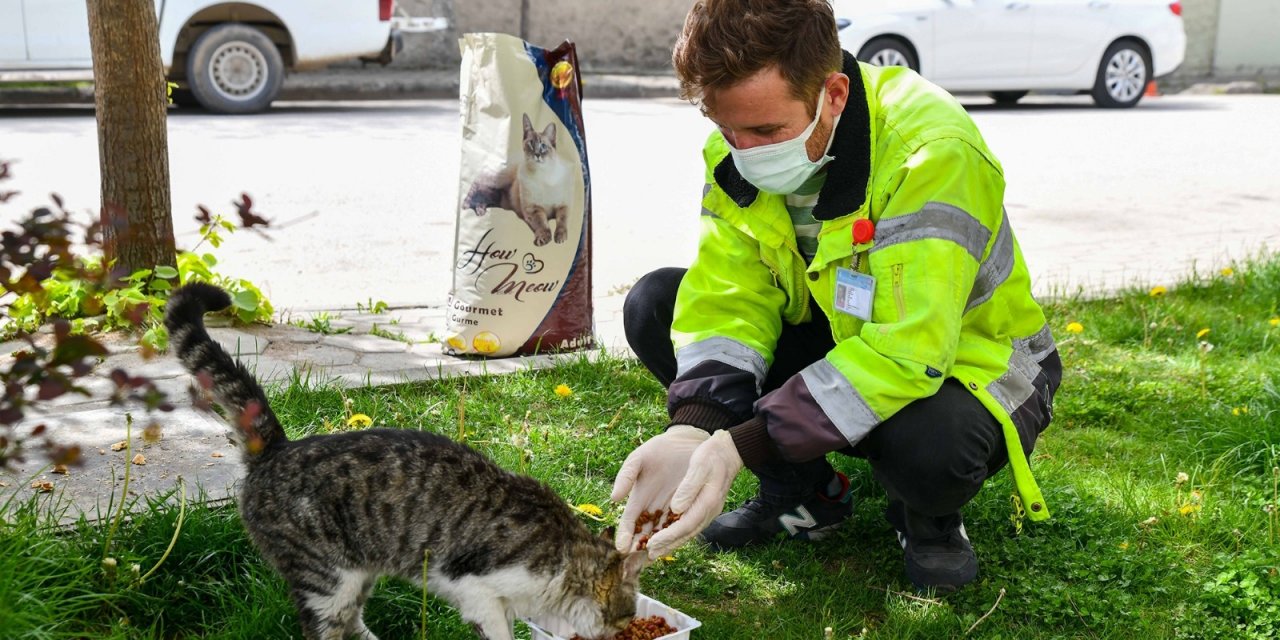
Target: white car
x,y
1108,48
229,57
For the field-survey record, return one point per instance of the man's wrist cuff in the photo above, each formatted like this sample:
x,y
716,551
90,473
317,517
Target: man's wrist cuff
x,y
703,414
752,440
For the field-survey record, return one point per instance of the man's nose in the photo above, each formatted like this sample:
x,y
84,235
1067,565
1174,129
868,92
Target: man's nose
x,y
745,140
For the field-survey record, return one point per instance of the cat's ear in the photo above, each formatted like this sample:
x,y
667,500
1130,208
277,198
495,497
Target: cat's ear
x,y
550,134
609,533
528,125
634,563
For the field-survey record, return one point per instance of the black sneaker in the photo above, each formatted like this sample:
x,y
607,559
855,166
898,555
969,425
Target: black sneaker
x,y
942,564
761,521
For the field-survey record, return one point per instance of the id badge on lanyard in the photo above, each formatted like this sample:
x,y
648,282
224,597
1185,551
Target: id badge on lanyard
x,y
856,291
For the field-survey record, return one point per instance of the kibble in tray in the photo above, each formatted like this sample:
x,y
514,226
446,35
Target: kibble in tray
x,y
646,607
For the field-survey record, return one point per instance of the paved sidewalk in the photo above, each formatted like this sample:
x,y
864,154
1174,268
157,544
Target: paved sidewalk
x,y
193,445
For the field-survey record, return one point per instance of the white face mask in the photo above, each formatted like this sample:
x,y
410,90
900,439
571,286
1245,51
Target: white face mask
x,y
782,167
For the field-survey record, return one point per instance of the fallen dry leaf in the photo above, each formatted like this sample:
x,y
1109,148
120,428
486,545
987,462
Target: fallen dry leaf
x,y
4,484
119,445
139,459
215,454
42,485
61,468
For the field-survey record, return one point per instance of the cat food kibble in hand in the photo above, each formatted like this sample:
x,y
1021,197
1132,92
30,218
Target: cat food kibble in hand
x,y
649,628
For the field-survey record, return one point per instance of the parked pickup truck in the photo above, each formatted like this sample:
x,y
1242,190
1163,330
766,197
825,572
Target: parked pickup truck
x,y
229,57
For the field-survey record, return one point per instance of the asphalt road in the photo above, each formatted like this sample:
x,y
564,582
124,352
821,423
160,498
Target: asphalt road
x,y
364,193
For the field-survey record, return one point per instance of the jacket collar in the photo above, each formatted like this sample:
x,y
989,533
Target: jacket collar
x,y
845,189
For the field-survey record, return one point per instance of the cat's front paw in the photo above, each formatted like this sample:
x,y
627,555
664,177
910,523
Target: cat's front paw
x,y
561,234
541,237
480,209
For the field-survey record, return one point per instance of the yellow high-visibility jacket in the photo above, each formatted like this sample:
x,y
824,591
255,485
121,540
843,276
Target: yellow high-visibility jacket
x,y
952,296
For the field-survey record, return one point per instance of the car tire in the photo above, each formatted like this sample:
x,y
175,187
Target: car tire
x,y
1007,98
888,52
234,68
1123,75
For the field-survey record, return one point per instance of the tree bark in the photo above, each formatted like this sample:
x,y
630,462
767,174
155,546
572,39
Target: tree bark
x,y
130,98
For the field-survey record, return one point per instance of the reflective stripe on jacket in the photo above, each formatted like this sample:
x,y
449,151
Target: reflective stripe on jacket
x,y
952,296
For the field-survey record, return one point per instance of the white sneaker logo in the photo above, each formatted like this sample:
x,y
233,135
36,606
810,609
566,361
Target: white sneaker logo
x,y
793,523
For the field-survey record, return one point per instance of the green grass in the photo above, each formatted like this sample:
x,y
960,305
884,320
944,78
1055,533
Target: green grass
x,y
1131,550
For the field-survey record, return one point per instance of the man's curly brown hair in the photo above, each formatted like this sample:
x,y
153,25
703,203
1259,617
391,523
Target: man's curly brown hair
x,y
727,41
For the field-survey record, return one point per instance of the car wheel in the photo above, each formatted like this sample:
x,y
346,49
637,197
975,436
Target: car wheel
x,y
234,68
888,52
1122,76
1007,97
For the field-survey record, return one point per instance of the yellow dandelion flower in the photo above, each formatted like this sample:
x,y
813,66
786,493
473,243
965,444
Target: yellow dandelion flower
x,y
1227,272
1202,333
589,510
1158,291
1124,546
1244,410
1275,322
668,558
563,390
359,421
1235,411
1188,509
1075,327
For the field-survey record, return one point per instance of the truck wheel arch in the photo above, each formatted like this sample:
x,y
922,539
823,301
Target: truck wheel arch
x,y
207,18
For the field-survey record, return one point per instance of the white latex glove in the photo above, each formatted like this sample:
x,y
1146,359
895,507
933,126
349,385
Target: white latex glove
x,y
649,477
700,496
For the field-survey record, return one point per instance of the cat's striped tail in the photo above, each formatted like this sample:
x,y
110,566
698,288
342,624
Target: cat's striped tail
x,y
233,387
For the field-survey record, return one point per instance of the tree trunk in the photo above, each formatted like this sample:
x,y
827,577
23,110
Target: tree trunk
x,y
130,98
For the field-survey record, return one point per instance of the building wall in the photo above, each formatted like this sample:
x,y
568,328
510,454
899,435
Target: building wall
x,y
1248,39
632,36
1200,19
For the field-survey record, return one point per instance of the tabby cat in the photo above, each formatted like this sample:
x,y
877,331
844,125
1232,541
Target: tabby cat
x,y
332,513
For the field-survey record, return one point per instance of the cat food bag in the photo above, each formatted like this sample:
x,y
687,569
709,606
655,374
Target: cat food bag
x,y
522,254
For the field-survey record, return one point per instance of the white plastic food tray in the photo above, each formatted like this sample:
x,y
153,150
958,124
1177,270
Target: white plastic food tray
x,y
645,607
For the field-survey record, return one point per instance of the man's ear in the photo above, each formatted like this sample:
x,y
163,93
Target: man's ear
x,y
837,93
